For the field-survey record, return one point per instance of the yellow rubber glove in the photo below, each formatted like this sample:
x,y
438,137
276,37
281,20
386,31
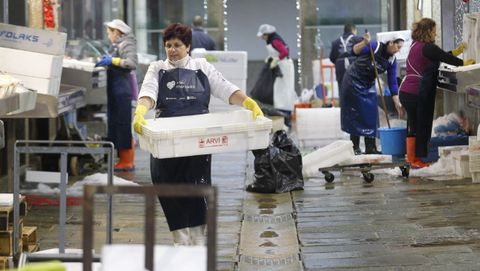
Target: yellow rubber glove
x,y
251,105
468,62
46,266
116,61
139,118
457,51
274,62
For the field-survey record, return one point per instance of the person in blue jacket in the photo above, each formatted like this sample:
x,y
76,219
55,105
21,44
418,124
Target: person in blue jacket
x,y
341,52
358,101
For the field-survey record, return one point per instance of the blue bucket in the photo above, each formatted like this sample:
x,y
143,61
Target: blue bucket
x,y
393,140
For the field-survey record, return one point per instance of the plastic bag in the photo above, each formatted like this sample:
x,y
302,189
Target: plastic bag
x,y
278,168
263,88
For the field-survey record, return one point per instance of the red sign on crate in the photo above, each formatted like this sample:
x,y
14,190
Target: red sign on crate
x,y
213,141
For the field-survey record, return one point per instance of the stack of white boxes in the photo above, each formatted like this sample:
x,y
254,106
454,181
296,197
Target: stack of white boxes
x,y
34,56
317,127
232,65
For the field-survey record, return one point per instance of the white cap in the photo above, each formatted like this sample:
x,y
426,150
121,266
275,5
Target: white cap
x,y
120,25
265,29
397,36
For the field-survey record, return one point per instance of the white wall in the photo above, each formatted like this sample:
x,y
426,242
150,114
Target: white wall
x,y
245,16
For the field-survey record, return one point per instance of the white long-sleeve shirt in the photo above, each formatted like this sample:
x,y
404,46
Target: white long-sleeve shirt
x,y
219,86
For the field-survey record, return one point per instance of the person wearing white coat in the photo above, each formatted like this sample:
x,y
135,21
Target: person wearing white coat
x,y
284,94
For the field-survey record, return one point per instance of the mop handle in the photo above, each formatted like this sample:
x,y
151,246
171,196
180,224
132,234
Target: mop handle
x,y
372,55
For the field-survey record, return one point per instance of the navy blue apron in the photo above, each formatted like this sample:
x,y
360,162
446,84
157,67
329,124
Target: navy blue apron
x,y
358,95
119,106
182,92
426,108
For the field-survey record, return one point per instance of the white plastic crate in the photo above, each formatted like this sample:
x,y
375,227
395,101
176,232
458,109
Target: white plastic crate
x,y
318,126
474,154
330,155
461,160
205,134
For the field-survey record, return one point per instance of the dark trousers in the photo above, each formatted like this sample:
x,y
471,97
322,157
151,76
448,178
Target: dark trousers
x,y
409,102
196,170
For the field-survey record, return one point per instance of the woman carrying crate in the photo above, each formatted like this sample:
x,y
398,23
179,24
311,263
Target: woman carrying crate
x,y
181,86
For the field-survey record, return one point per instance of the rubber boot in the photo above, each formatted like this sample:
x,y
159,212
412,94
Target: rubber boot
x,y
126,159
356,144
181,237
411,157
371,146
198,236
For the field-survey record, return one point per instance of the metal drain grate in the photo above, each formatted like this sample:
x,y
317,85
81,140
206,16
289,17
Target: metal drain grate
x,y
275,219
269,261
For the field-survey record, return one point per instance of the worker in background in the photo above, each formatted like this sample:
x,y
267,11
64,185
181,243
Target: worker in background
x,y
358,101
122,59
417,91
200,39
284,95
341,52
194,79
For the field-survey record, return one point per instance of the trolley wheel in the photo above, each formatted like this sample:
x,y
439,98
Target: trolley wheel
x,y
329,177
405,171
368,177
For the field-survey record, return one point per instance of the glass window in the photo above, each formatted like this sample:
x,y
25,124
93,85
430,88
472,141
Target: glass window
x,y
152,16
333,14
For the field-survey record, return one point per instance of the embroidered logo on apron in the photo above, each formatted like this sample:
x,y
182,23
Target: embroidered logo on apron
x,y
214,141
171,84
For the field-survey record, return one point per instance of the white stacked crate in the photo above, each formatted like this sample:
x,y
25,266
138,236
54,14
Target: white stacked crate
x,y
474,158
232,65
318,126
34,56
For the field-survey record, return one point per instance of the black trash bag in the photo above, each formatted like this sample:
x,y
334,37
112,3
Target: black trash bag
x,y
263,89
278,168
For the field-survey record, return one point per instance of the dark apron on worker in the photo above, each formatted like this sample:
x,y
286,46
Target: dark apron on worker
x,y
119,106
358,101
425,108
182,92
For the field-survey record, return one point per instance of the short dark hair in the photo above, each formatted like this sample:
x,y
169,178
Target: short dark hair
x,y
349,27
197,21
178,31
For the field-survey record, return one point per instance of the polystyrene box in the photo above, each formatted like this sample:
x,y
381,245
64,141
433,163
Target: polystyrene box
x,y
47,86
32,39
330,155
205,134
318,123
232,64
39,65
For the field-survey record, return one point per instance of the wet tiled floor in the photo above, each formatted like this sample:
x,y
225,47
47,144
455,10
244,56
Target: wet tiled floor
x,y
391,224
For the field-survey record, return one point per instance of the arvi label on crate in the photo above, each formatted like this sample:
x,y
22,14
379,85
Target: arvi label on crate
x,y
213,141
31,39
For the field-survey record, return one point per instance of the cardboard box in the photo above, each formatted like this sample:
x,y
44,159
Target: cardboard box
x,y
32,39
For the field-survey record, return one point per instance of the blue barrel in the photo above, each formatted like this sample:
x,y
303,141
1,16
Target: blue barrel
x,y
393,140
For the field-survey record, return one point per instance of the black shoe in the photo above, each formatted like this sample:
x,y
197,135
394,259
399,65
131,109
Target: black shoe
x,y
373,151
357,151
370,146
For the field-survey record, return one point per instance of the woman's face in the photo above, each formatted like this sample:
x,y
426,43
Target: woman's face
x,y
176,49
433,33
393,47
113,34
264,36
